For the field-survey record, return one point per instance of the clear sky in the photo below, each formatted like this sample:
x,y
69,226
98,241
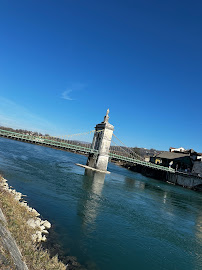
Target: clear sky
x,y
64,63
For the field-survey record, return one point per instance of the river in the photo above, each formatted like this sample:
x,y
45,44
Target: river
x,y
121,220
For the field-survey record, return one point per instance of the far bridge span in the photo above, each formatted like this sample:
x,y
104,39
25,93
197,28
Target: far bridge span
x,y
99,152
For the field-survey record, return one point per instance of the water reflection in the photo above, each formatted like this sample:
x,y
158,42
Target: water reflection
x,y
90,201
198,234
132,184
165,197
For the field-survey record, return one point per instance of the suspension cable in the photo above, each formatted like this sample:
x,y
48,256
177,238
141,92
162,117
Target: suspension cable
x,y
141,158
123,149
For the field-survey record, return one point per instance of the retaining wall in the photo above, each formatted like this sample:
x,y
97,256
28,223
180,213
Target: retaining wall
x,y
177,178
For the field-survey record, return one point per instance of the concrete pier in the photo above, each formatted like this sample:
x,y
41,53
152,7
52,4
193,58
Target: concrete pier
x,y
101,142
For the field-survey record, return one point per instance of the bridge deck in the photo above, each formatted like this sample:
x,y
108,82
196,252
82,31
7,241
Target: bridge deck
x,y
44,141
140,162
77,148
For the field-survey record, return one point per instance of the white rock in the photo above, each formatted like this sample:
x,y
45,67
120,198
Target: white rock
x,y
29,209
23,204
6,186
47,224
42,228
42,222
31,223
35,212
38,223
43,238
17,197
39,236
45,232
34,237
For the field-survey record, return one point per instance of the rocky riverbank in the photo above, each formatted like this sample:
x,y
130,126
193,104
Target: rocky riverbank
x,y
29,232
40,226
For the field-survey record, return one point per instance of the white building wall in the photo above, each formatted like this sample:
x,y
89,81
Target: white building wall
x,y
181,149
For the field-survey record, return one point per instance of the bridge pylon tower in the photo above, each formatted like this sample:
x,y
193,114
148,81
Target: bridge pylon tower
x,y
101,142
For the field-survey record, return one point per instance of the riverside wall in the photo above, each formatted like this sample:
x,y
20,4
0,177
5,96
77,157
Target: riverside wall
x,y
178,178
185,180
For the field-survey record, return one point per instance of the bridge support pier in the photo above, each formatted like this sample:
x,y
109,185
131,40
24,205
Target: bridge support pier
x,y
101,142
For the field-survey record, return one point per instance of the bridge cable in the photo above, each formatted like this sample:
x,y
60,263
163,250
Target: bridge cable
x,y
124,150
141,158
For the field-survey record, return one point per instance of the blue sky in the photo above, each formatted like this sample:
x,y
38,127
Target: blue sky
x,y
64,63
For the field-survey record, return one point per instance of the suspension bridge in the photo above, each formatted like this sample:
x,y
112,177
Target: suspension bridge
x,y
105,146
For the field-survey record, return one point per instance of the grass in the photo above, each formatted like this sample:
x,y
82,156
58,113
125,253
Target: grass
x,y
34,255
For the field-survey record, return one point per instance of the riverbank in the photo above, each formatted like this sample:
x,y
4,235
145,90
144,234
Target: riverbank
x,y
27,230
178,178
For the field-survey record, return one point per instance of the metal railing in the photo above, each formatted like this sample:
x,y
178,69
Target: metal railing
x,y
44,141
140,162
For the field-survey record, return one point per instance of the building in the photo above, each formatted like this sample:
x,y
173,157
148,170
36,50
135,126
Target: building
x,y
178,161
172,149
193,154
199,157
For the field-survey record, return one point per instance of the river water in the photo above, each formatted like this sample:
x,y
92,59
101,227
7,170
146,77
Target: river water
x,y
119,221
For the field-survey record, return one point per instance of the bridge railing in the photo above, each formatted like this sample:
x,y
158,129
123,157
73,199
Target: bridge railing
x,y
45,141
79,148
140,162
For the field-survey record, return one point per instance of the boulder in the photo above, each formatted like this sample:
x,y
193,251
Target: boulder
x,y
37,222
39,236
35,212
31,222
45,232
42,228
46,224
43,238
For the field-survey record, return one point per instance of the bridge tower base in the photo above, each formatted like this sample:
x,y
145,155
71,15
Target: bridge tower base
x,y
101,142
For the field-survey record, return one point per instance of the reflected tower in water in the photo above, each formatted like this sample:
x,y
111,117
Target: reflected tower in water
x,y
92,196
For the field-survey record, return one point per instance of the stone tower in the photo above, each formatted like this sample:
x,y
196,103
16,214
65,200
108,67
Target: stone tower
x,y
101,142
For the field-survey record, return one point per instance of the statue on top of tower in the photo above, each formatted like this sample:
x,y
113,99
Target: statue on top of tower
x,y
106,118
